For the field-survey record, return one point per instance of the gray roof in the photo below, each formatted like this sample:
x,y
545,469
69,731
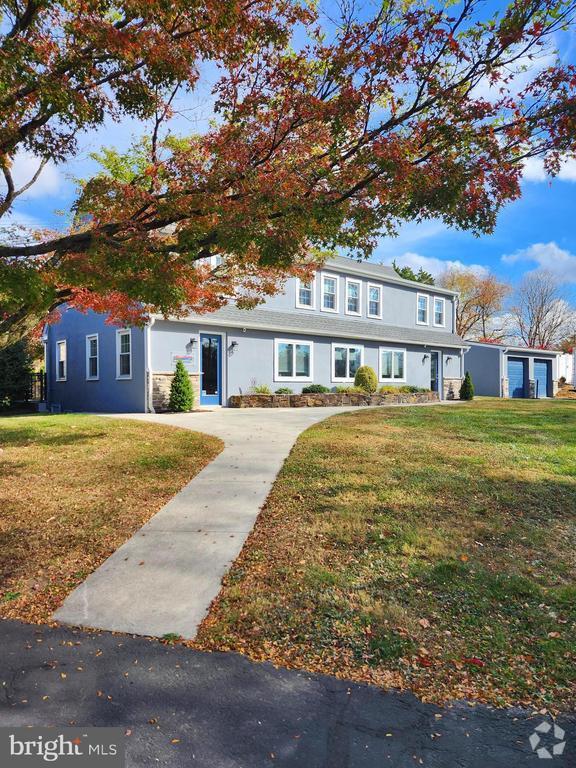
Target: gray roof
x,y
322,325
512,348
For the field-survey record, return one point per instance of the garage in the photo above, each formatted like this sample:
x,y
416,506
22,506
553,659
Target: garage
x,y
517,376
543,377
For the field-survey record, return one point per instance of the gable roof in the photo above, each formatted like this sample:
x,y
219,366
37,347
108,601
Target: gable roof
x,y
315,324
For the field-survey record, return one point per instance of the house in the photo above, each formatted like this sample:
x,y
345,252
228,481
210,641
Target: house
x,y
503,370
351,314
566,367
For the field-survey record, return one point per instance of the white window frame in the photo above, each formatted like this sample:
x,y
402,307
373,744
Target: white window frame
x,y
443,323
347,311
61,343
391,380
337,279
299,283
294,378
368,313
119,333
418,297
90,337
348,347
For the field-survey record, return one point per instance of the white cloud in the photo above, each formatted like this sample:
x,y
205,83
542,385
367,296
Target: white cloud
x,y
49,183
432,264
548,256
534,170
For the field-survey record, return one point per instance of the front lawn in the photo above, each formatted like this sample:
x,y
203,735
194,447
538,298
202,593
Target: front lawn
x,y
427,548
72,489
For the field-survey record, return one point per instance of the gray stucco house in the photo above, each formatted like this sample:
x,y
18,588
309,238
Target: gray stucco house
x,y
350,314
501,370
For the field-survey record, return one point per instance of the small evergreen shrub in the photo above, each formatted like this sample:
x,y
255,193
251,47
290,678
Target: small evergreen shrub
x,y
391,389
261,389
366,379
181,392
283,391
562,381
314,389
467,388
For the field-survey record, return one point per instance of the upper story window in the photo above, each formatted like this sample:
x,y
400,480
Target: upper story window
x,y
292,360
392,364
353,296
346,359
61,361
422,315
374,301
439,311
329,293
305,294
123,354
92,362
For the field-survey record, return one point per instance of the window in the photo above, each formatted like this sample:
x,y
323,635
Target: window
x,y
329,293
123,355
353,296
374,301
392,364
305,294
292,360
345,361
439,311
92,357
422,318
61,361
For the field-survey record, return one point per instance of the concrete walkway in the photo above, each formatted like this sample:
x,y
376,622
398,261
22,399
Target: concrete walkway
x,y
164,578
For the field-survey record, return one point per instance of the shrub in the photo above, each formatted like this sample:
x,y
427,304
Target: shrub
x,y
261,389
15,366
562,381
283,391
345,390
313,389
181,392
389,389
366,379
467,388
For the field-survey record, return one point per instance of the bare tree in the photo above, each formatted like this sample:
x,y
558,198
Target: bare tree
x,y
542,316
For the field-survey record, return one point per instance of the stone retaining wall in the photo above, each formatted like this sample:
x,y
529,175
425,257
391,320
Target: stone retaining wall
x,y
327,399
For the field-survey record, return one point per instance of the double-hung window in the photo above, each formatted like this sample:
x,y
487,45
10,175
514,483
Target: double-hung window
x,y
346,359
353,296
392,364
439,311
92,362
422,315
61,361
123,354
329,293
374,301
292,360
305,294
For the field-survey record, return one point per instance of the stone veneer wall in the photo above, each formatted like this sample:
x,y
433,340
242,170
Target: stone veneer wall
x,y
327,399
161,383
451,389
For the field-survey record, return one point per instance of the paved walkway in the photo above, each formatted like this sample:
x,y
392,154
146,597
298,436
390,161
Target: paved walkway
x,y
184,708
164,578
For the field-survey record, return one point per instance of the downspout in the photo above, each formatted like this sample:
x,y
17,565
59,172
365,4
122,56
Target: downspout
x,y
148,403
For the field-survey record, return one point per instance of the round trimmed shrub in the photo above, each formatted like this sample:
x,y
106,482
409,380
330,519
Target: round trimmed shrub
x,y
366,379
467,388
315,389
181,392
283,391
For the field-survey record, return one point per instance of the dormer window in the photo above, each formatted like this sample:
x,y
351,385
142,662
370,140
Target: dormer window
x,y
422,315
305,294
329,293
353,296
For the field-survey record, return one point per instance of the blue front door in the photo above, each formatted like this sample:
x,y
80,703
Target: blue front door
x,y
516,377
542,375
210,369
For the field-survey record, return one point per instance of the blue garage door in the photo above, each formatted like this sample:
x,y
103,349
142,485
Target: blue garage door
x,y
517,377
542,371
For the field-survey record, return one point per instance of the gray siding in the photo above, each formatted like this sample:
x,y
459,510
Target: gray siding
x,y
483,363
107,393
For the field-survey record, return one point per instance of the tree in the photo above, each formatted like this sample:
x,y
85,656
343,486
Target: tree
x,y
467,388
408,274
16,365
543,318
181,392
481,298
366,379
316,144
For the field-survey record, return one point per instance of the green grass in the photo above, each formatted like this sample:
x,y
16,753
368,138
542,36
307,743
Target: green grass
x,y
432,549
73,488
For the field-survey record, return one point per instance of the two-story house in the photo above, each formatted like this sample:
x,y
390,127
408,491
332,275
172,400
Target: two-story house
x,y
351,314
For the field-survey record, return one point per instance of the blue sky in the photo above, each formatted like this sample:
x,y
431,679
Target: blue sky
x,y
536,231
